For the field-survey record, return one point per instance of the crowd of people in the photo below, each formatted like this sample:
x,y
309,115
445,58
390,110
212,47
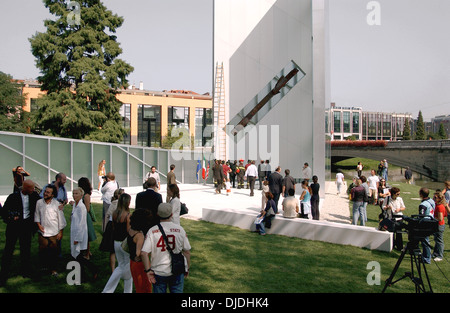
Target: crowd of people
x,y
132,238
143,241
273,185
375,190
137,240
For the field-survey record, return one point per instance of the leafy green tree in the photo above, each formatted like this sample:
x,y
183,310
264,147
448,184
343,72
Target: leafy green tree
x,y
81,72
407,130
12,116
420,132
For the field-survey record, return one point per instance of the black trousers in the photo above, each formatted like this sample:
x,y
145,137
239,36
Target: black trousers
x,y
21,230
251,181
276,198
86,264
233,179
261,180
315,200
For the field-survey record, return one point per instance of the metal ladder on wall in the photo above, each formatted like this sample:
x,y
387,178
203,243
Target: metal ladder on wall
x,y
220,141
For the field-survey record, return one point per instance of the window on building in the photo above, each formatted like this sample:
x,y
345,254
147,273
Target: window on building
x,y
178,116
125,113
337,121
149,125
33,105
355,123
387,126
372,125
203,127
346,121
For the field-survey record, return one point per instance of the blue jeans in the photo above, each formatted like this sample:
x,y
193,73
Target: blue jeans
x,y
359,212
439,242
261,226
426,250
175,283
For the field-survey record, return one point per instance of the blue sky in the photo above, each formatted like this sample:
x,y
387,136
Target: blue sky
x,y
168,42
401,65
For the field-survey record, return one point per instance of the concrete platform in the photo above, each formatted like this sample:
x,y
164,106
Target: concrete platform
x,y
337,233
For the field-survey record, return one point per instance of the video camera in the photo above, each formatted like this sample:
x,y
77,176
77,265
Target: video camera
x,y
417,227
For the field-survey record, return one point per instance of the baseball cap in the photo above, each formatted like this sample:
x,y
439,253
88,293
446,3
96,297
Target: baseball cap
x,y
164,210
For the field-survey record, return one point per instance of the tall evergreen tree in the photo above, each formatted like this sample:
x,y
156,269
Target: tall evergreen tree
x,y
81,72
420,132
12,116
407,130
442,133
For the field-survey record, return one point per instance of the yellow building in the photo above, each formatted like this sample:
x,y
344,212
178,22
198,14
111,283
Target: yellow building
x,y
148,115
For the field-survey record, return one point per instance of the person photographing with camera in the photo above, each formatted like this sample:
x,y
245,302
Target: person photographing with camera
x,y
394,207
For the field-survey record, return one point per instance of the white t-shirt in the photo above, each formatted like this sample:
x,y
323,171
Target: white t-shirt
x,y
155,245
339,177
395,204
50,217
289,207
108,191
373,180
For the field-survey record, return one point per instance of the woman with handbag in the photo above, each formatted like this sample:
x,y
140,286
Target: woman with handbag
x,y
173,192
121,225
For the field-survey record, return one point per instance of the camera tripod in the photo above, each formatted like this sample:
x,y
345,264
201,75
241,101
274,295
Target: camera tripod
x,y
412,248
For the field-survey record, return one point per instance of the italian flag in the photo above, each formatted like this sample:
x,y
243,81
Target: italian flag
x,y
205,169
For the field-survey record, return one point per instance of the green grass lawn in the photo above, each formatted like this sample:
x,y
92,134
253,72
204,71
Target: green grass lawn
x,y
226,259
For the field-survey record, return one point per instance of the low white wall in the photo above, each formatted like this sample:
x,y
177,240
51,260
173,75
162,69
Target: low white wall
x,y
359,236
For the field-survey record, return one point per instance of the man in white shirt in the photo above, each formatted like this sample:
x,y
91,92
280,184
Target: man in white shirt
x,y
339,182
373,182
51,222
158,267
251,173
307,172
153,173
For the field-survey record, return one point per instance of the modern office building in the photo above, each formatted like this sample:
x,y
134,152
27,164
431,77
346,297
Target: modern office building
x,y
384,126
345,122
441,119
150,115
271,49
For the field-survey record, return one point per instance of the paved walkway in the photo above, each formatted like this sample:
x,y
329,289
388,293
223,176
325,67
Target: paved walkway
x,y
334,208
198,196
